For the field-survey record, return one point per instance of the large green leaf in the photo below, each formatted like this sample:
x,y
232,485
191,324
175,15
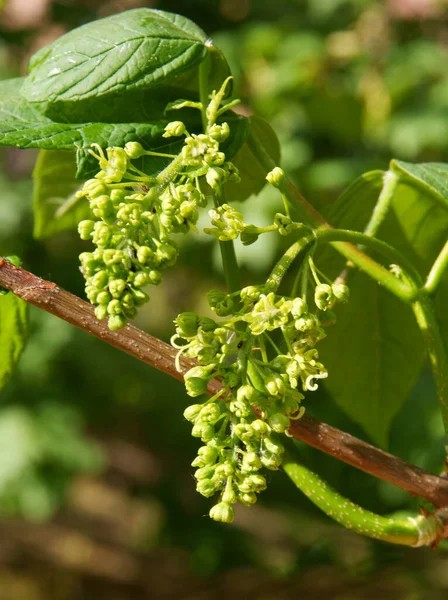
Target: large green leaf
x,y
13,333
55,205
374,351
252,172
421,206
23,126
118,56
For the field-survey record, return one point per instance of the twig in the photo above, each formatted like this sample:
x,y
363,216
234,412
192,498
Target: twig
x,y
148,349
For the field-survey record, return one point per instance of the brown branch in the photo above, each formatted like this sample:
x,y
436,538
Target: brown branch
x,y
150,350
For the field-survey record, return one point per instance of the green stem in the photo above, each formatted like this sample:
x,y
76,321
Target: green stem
x,y
275,278
310,216
204,69
383,248
418,530
390,183
437,270
229,260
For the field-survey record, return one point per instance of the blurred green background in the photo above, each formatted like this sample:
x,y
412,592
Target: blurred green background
x,y
97,498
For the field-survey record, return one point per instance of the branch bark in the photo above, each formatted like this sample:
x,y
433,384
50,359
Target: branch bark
x,y
148,349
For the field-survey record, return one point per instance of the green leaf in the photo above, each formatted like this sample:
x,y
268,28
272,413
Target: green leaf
x,y
55,205
252,172
421,206
430,178
374,352
115,57
23,126
13,333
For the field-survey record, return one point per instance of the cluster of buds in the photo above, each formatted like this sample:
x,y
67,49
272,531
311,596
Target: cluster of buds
x,y
136,214
262,390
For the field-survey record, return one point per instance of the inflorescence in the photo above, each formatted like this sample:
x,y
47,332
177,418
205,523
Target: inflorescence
x,y
136,215
264,354
263,348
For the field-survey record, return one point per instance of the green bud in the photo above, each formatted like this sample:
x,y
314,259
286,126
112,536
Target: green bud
x,y
207,433
134,150
187,324
100,312
341,292
155,277
251,462
275,177
250,294
222,512
206,487
224,470
141,278
323,296
271,461
210,413
117,287
260,427
273,445
298,307
140,297
144,255
207,324
103,298
219,132
85,229
191,412
205,473
116,322
279,422
196,386
249,235
274,385
174,129
229,495
248,498
209,454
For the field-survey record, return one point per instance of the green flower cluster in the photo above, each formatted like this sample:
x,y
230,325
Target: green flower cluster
x,y
136,214
264,354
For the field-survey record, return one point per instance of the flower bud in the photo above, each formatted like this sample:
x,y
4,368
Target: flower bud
x,y
298,307
260,427
229,495
116,322
174,129
323,296
196,386
117,287
248,498
341,292
249,235
251,462
279,422
219,132
222,512
206,487
191,412
208,453
275,177
187,324
205,472
100,312
272,445
85,229
134,150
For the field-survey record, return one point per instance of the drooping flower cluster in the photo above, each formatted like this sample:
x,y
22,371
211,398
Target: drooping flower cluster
x,y
264,353
136,214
